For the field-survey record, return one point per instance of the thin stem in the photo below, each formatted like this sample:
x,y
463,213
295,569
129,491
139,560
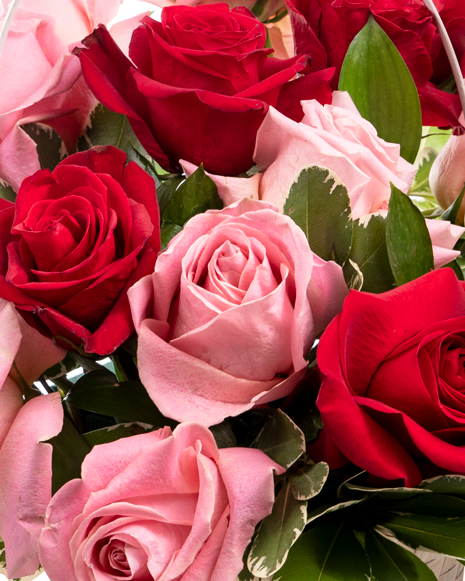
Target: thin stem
x,y
454,63
5,27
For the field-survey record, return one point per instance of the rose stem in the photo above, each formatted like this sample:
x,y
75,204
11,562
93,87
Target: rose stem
x,y
454,63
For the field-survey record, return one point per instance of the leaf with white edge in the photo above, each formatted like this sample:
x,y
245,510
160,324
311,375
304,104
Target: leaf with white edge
x,y
108,128
442,535
318,202
308,481
352,489
50,148
2,554
431,505
328,552
421,182
382,88
324,510
113,433
277,533
281,440
449,484
369,253
407,239
7,192
391,562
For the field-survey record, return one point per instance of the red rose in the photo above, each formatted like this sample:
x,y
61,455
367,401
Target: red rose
x,y
325,28
73,243
200,85
393,397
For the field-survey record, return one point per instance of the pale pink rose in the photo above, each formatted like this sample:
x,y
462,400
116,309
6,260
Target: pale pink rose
x,y
25,463
336,137
160,505
43,79
230,312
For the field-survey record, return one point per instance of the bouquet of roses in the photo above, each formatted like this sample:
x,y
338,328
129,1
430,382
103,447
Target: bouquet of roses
x,y
232,296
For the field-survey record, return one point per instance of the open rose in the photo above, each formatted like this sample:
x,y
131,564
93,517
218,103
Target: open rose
x,y
23,426
73,243
230,312
199,84
263,10
160,505
336,137
325,29
43,78
393,395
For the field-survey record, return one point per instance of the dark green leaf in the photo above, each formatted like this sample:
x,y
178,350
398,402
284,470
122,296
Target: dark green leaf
x,y
449,484
308,481
281,440
318,202
443,535
100,392
369,253
407,239
69,451
329,552
432,504
382,88
390,562
352,489
456,268
277,533
7,193
245,574
325,510
2,554
113,433
142,161
49,144
195,195
453,210
224,435
421,181
167,232
108,128
166,191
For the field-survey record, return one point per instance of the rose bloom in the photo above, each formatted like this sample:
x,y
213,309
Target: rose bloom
x,y
325,29
392,399
73,243
209,97
230,312
158,505
266,9
337,137
43,78
23,426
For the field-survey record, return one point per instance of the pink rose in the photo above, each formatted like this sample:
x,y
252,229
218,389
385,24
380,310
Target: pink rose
x,y
43,78
230,312
160,505
25,463
336,137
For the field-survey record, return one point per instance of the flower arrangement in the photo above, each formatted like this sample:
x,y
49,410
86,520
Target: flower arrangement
x,y
232,290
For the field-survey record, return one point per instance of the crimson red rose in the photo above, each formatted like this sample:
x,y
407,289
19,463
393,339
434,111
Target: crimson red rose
x,y
73,243
200,85
325,28
393,397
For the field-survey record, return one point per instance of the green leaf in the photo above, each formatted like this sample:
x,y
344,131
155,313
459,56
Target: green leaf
x,y
224,435
450,484
329,552
329,509
281,440
453,210
390,562
49,144
318,202
100,392
382,88
146,163
308,481
442,535
456,268
350,488
421,182
277,533
369,253
407,239
168,232
108,128
113,433
166,191
7,192
195,195
62,368
432,505
2,554
69,451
